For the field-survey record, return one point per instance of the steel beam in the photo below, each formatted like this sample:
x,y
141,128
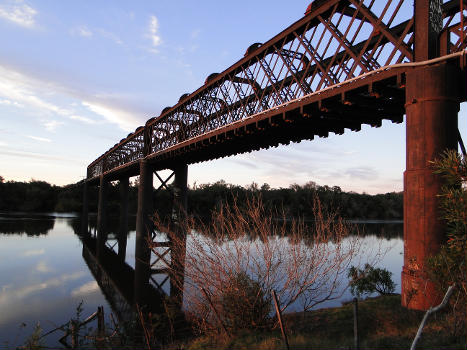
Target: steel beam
x,y
428,16
431,109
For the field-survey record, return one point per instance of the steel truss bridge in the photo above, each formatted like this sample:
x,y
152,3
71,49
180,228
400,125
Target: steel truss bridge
x,y
345,63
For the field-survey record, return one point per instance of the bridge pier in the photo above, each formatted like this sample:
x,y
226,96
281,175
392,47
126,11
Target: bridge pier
x,y
432,104
178,243
102,216
85,210
143,231
123,229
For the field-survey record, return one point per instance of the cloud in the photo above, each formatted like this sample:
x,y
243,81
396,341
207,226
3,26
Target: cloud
x,y
86,32
7,296
85,289
245,162
83,119
6,287
17,87
83,31
195,33
43,267
154,31
126,120
51,125
362,173
10,103
111,36
33,252
37,138
19,13
37,156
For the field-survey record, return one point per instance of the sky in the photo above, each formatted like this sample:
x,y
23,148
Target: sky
x,y
78,76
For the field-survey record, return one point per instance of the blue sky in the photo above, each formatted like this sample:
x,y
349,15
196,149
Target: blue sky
x,y
78,76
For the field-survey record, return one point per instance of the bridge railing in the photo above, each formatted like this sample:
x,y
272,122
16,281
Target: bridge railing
x,y
335,41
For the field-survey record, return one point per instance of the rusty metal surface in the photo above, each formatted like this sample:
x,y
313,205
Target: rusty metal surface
x,y
288,82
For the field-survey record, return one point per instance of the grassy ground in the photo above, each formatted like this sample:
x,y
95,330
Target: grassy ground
x,y
383,324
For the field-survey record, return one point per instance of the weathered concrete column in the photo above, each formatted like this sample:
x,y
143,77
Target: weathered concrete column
x,y
431,108
85,210
143,227
102,216
179,241
123,231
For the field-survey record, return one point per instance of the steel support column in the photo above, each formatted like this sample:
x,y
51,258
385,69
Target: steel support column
x,y
123,231
178,252
101,216
85,210
431,109
143,232
428,17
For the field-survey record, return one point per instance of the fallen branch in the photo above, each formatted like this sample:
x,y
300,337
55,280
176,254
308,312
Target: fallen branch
x,y
430,311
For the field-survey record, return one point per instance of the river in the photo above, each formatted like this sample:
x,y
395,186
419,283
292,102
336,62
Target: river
x,y
44,275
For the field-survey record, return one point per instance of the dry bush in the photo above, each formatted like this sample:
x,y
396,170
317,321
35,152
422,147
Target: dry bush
x,y
305,265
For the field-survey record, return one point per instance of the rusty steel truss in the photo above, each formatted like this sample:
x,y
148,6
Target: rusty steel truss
x,y
340,66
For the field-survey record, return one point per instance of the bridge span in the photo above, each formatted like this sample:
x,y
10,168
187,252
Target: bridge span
x,y
345,63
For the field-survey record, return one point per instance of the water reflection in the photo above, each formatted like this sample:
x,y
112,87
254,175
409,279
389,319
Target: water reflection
x,y
382,229
116,280
30,226
43,279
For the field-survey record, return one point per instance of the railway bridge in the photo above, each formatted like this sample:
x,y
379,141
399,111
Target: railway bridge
x,y
345,63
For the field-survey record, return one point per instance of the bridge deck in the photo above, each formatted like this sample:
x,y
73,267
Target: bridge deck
x,y
312,79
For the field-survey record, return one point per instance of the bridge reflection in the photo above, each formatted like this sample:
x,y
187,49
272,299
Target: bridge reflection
x,y
133,300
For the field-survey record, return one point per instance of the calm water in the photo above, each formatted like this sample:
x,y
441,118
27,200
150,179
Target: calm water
x,y
44,275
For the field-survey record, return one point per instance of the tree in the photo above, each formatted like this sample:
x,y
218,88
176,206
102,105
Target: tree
x,y
370,280
449,265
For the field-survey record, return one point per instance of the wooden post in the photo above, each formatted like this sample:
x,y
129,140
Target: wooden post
x,y
100,321
355,324
279,317
74,335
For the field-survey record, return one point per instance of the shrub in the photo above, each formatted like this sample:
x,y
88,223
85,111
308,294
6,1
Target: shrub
x,y
245,305
448,266
370,280
246,251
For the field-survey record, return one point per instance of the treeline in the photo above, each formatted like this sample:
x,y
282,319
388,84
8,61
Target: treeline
x,y
296,200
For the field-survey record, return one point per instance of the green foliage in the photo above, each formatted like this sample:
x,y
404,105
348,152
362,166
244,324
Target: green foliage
x,y
245,304
370,280
448,266
39,196
453,201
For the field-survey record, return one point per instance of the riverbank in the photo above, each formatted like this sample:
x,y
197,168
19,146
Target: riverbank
x,y
383,324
